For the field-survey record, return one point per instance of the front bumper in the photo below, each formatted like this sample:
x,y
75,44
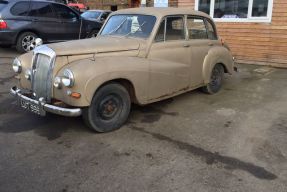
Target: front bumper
x,y
40,107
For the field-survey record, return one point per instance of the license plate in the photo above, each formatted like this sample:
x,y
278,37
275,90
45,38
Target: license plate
x,y
30,106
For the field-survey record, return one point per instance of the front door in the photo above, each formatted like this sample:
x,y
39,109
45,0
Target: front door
x,y
169,61
199,45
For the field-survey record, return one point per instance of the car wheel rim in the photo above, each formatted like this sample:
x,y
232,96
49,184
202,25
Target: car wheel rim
x,y
28,43
109,107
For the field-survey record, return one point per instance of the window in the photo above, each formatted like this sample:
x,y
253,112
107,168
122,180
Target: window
x,y
196,28
139,26
171,28
20,9
64,12
237,10
41,9
3,4
211,31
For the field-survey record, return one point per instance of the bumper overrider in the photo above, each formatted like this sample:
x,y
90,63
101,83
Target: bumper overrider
x,y
40,107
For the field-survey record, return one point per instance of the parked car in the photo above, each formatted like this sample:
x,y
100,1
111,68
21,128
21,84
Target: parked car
x,y
21,22
140,56
96,15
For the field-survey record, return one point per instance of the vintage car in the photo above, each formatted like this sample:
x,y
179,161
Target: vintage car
x,y
140,56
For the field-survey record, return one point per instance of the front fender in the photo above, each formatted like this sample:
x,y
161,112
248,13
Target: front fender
x,y
91,73
217,55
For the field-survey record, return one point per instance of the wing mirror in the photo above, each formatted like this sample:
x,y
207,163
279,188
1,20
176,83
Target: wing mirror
x,y
38,42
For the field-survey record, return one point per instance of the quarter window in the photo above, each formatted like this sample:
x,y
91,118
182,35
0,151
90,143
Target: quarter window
x,y
20,8
237,10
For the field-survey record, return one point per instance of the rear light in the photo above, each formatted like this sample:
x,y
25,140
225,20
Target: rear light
x,y
3,24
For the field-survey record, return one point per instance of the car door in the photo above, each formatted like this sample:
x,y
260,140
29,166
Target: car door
x,y
199,45
44,20
168,57
70,22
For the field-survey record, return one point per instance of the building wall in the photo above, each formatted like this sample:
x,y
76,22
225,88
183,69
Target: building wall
x,y
256,43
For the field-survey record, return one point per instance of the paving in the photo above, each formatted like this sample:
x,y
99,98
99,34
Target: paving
x,y
234,141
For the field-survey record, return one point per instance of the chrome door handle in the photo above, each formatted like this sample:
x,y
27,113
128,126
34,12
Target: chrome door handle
x,y
186,45
210,44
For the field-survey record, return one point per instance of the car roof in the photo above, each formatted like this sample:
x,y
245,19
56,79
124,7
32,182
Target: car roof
x,y
161,11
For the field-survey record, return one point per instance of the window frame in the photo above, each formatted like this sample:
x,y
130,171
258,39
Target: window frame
x,y
249,18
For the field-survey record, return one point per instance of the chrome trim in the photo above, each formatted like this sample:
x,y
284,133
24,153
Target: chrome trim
x,y
43,107
45,50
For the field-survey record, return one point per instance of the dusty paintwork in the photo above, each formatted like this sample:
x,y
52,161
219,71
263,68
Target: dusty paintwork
x,y
151,71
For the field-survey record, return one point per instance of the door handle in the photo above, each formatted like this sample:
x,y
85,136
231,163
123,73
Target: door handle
x,y
210,44
186,45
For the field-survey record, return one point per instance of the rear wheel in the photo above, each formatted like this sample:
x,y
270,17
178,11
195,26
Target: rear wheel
x,y
26,42
216,79
109,109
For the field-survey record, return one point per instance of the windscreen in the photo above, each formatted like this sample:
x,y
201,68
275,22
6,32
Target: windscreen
x,y
91,14
139,26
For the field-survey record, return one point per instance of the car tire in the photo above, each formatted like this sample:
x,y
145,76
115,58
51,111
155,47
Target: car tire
x,y
109,109
216,79
93,34
26,42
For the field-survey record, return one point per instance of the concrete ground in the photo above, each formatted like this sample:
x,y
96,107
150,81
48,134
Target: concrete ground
x,y
234,141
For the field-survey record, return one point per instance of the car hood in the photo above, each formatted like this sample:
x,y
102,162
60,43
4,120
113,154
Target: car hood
x,y
102,44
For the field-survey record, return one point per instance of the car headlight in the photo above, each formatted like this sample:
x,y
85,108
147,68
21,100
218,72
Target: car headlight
x,y
17,66
68,78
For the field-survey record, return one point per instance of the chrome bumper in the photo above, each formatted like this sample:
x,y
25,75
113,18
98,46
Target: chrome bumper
x,y
40,107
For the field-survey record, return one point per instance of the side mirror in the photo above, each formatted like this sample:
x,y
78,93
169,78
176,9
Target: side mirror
x,y
38,42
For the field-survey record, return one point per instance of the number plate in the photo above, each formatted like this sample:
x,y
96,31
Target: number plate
x,y
30,106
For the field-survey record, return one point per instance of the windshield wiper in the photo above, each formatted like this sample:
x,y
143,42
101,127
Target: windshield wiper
x,y
117,28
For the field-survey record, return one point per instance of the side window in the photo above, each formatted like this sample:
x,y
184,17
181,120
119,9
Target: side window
x,y
211,31
41,9
174,28
104,16
20,9
196,28
64,12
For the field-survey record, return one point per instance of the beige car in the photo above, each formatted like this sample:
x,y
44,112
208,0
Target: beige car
x,y
140,56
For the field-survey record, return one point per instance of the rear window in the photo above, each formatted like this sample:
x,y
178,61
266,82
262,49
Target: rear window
x,y
20,8
3,4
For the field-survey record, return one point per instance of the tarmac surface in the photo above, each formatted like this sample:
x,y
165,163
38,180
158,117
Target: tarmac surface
x,y
234,141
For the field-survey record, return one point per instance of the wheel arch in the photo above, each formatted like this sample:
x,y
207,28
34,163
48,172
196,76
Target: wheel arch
x,y
25,31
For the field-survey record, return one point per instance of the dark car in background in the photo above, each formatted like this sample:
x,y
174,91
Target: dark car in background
x,y
22,21
96,15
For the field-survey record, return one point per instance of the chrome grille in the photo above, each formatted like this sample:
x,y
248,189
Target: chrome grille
x,y
43,64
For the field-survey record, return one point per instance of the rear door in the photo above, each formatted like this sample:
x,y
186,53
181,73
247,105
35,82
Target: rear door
x,y
199,45
44,20
70,22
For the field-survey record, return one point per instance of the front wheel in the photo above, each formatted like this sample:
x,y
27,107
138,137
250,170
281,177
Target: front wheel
x,y
26,42
216,79
109,109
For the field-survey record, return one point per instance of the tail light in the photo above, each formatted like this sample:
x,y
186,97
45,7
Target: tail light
x,y
3,24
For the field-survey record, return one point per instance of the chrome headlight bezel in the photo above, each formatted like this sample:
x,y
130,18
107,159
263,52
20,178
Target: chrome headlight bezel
x,y
68,78
17,65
